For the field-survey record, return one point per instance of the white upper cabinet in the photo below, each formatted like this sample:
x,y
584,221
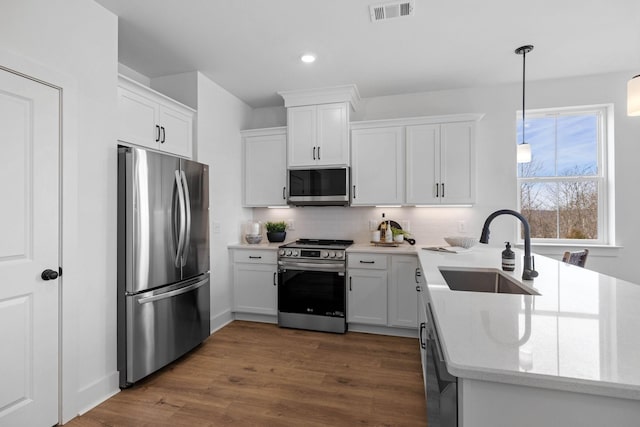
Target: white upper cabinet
x,y
377,168
440,163
318,135
265,167
150,119
318,126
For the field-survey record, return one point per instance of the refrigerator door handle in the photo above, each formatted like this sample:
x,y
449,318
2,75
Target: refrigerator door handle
x,y
187,204
181,204
173,293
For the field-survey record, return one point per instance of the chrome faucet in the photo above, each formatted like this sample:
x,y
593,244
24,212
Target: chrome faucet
x,y
528,271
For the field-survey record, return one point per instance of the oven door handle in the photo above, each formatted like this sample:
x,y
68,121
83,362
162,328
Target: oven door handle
x,y
309,266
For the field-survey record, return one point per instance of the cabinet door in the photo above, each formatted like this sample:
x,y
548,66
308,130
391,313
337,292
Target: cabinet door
x,y
137,119
377,168
332,135
457,154
265,170
176,131
403,293
301,136
367,297
254,288
423,164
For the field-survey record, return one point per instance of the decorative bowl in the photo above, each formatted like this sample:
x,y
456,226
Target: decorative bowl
x,y
461,241
253,238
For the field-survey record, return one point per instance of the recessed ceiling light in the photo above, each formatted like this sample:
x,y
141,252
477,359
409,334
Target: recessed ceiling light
x,y
308,58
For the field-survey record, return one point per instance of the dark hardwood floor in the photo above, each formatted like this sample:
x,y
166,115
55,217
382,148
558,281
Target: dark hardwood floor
x,y
253,374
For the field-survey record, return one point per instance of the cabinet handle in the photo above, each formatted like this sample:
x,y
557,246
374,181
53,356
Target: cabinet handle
x,y
350,283
274,279
157,133
367,262
423,345
318,153
314,153
442,189
354,191
418,288
254,257
163,135
284,193
418,274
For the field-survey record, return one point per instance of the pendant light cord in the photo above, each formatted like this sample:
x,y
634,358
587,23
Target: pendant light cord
x,y
524,57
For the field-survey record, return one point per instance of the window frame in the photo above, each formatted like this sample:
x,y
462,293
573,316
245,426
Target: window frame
x,y
604,177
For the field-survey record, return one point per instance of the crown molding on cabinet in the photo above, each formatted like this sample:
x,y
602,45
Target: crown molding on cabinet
x,y
325,95
422,120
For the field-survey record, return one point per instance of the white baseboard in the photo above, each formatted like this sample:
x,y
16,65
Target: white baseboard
x,y
383,330
221,320
97,392
262,318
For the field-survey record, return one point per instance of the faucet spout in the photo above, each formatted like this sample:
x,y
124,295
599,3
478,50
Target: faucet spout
x,y
528,271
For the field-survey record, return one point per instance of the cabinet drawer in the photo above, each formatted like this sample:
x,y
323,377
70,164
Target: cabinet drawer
x,y
255,256
370,261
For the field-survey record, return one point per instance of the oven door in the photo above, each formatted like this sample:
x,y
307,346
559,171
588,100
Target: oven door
x,y
312,289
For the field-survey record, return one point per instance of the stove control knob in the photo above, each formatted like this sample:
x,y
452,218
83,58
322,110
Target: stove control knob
x,y
281,252
288,253
295,252
339,254
325,254
332,254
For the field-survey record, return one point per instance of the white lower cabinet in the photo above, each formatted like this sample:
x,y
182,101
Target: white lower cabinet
x,y
255,276
382,290
403,288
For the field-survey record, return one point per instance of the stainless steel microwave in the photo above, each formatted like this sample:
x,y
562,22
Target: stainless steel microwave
x,y
319,187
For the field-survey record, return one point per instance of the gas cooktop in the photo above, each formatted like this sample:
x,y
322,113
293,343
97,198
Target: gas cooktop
x,y
319,243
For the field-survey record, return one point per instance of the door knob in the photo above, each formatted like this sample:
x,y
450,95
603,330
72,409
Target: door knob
x,y
49,275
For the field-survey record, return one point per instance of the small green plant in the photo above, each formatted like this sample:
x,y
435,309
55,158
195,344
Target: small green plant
x,y
276,227
397,231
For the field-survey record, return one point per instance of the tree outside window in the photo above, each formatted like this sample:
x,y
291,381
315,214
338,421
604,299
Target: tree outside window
x,y
563,188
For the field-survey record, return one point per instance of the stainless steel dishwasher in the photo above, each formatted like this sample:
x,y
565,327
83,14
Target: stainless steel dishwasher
x,y
442,387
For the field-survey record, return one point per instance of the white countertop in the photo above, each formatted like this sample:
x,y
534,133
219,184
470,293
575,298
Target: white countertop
x,y
402,249
264,245
582,333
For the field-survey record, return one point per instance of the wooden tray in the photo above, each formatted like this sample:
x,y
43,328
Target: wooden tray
x,y
385,244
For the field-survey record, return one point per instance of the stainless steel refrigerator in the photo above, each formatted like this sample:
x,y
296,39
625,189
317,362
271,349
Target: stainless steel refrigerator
x,y
163,260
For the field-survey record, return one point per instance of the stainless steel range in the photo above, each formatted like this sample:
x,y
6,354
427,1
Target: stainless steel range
x,y
312,285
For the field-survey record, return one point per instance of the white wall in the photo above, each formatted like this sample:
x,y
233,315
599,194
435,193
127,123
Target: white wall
x,y
74,44
496,178
221,116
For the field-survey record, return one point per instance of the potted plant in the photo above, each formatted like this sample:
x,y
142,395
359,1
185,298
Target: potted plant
x,y
276,231
399,235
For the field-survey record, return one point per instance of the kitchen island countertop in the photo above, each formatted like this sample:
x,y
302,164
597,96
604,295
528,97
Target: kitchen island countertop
x,y
581,334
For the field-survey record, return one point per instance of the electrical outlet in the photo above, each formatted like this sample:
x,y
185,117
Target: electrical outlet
x,y
291,225
406,226
373,225
216,227
462,226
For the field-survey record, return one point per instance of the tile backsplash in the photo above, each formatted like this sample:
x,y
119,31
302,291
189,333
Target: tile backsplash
x,y
427,225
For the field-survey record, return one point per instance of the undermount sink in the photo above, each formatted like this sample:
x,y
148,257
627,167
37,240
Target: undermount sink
x,y
482,280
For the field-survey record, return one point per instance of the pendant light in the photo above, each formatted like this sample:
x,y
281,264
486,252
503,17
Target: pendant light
x,y
633,96
524,149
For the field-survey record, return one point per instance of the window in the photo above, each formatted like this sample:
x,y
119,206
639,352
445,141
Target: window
x,y
563,190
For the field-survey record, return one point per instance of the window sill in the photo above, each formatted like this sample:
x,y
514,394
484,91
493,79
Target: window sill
x,y
557,249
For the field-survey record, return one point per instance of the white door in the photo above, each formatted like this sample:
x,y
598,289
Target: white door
x,y
332,135
377,167
302,147
457,167
423,164
367,297
29,234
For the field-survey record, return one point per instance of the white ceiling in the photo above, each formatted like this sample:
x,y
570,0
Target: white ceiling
x,y
252,47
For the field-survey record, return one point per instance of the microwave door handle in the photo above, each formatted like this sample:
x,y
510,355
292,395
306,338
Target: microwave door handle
x,y
318,153
181,204
187,205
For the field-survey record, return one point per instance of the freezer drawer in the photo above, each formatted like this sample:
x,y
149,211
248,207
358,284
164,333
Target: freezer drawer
x,y
164,324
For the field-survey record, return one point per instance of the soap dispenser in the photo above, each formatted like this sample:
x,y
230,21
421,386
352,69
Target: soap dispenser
x,y
508,258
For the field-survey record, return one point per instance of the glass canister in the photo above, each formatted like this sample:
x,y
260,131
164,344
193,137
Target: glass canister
x,y
253,232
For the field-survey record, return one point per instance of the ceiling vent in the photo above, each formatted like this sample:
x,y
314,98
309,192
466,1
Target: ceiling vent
x,y
385,11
